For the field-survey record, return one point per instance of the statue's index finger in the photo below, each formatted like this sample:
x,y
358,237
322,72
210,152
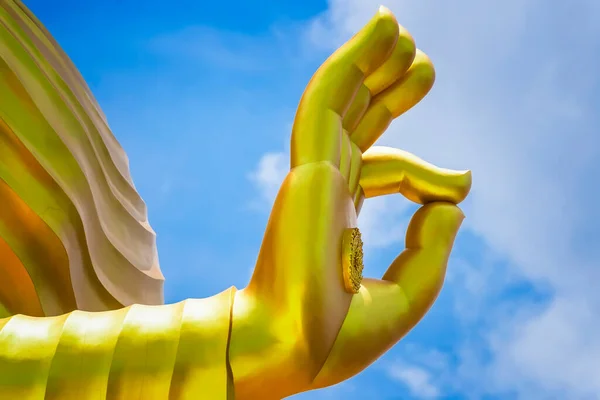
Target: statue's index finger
x,y
318,124
387,170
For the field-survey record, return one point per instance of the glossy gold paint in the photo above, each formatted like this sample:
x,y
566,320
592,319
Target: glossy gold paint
x,y
305,320
175,351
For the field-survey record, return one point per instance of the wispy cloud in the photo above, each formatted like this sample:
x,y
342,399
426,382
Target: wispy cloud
x,y
416,379
269,174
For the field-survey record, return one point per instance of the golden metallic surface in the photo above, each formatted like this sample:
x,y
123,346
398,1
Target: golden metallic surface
x,y
400,96
343,73
388,171
306,320
352,260
176,351
395,66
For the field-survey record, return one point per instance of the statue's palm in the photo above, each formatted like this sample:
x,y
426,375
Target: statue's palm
x,y
310,313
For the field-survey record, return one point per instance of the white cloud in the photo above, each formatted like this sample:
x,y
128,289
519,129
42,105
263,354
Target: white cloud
x,y
558,347
416,379
270,172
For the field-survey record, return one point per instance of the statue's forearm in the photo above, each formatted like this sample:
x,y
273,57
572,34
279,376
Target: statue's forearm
x,y
176,351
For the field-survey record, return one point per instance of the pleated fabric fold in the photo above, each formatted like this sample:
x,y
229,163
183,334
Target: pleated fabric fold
x,y
73,229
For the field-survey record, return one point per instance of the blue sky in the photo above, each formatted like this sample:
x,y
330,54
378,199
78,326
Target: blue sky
x,y
202,97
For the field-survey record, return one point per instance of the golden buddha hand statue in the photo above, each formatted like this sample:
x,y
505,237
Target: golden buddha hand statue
x,y
320,322
80,263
